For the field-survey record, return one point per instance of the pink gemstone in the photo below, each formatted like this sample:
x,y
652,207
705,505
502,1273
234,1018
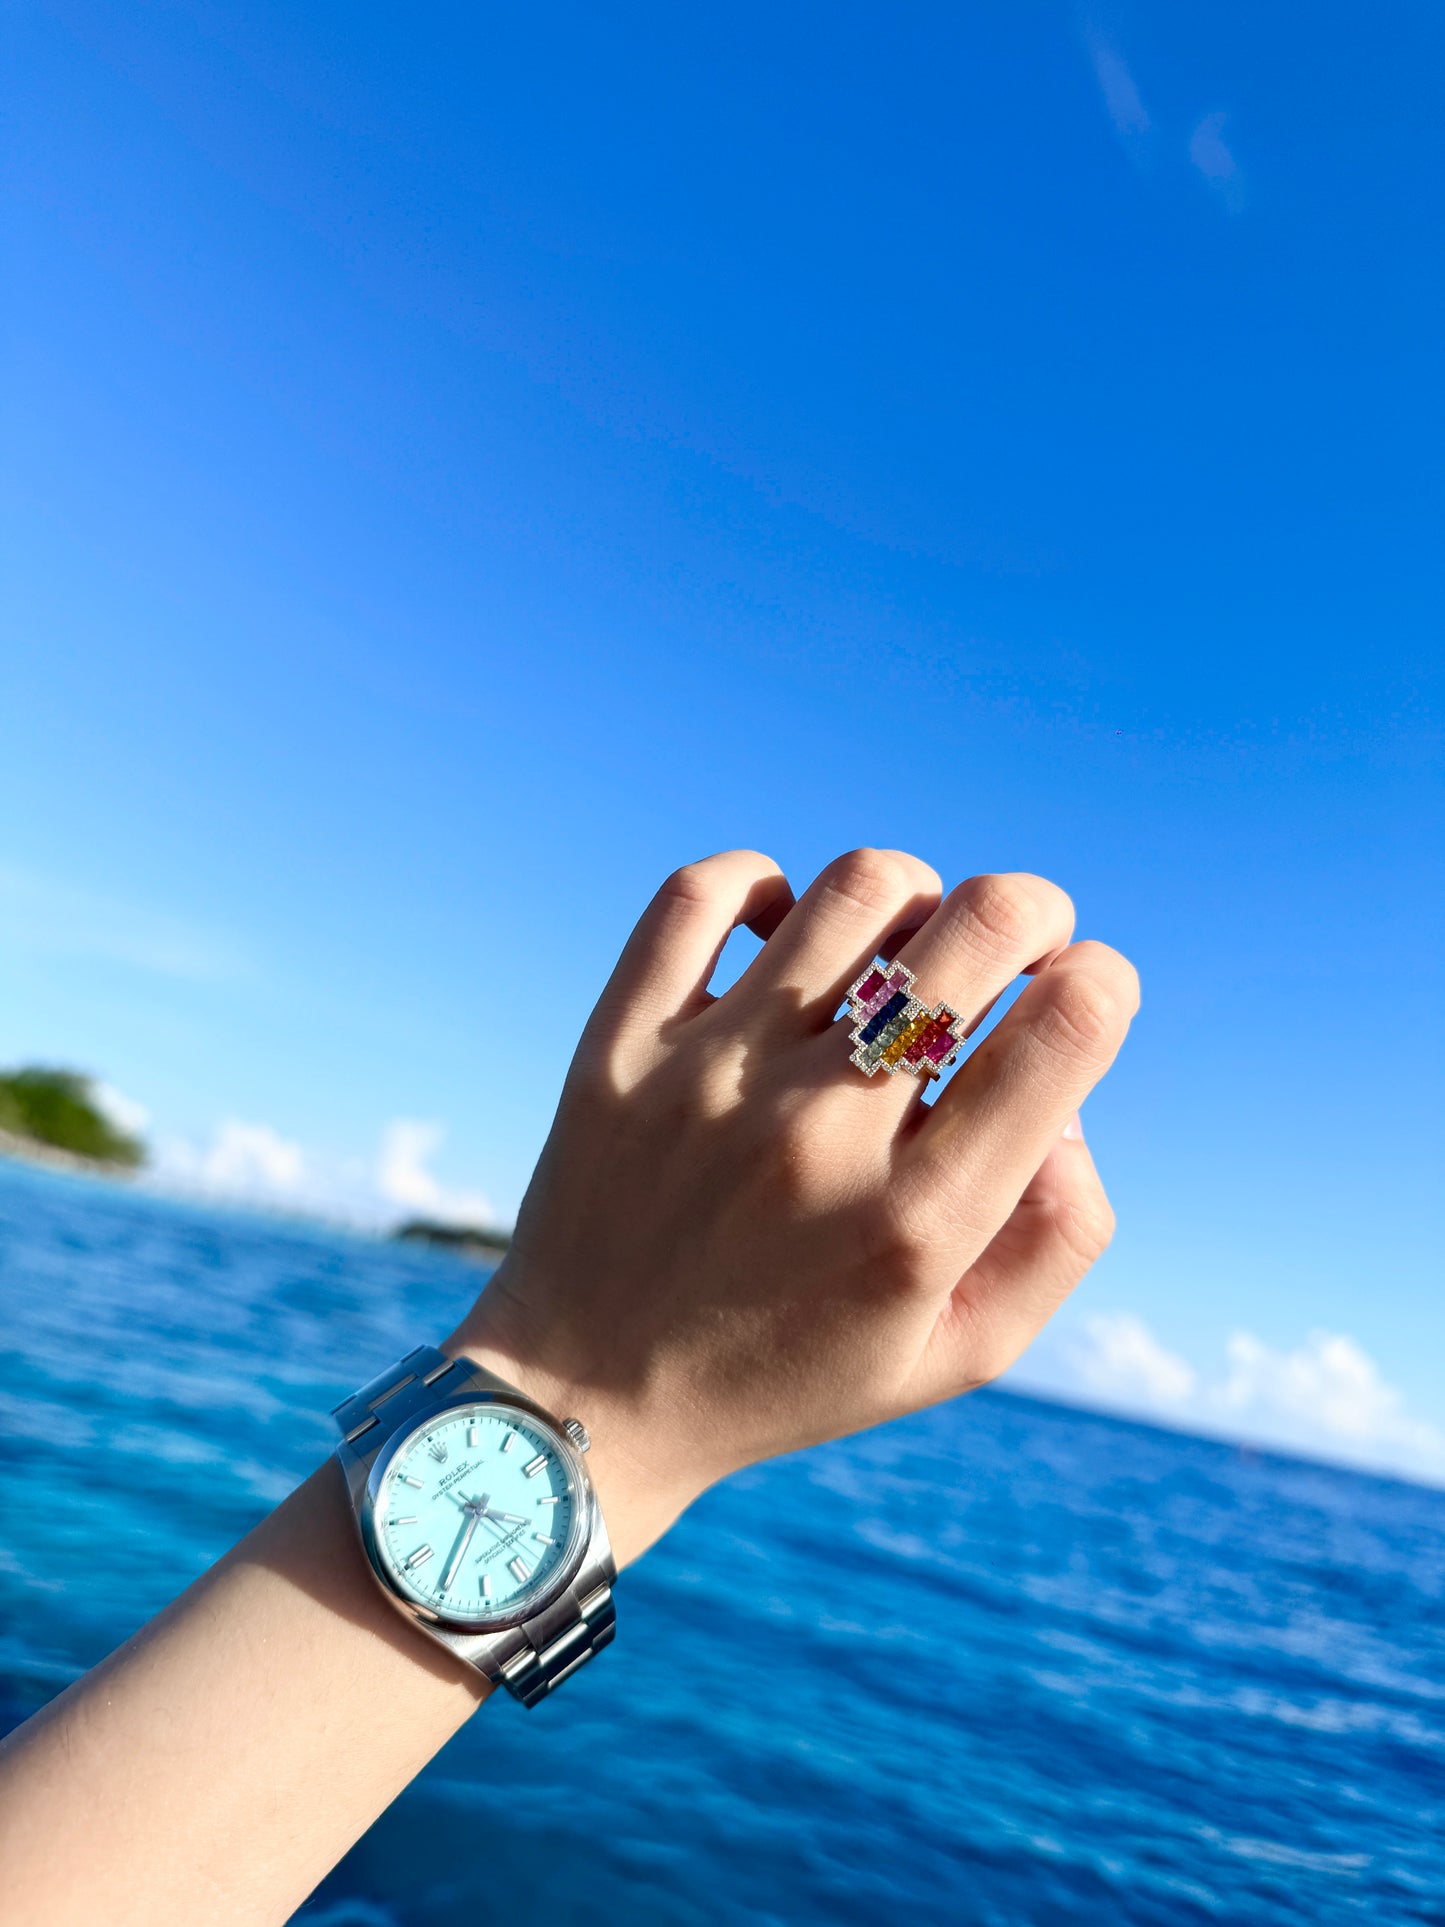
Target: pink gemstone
x,y
872,984
898,981
940,1042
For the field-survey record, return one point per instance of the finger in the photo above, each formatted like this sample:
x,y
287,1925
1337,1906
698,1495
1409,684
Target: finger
x,y
1062,1223
983,935
861,902
664,969
990,1130
970,950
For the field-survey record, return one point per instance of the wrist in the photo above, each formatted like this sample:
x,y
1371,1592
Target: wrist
x,y
640,1495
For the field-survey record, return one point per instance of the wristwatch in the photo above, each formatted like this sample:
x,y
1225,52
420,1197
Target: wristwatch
x,y
479,1520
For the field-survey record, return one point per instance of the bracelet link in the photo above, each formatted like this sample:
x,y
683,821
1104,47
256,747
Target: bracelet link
x,y
531,1674
419,1370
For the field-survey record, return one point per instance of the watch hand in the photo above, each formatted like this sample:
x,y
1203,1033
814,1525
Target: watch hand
x,y
468,1504
473,1519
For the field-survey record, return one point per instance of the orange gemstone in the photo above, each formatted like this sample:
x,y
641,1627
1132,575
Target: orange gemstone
x,y
901,1044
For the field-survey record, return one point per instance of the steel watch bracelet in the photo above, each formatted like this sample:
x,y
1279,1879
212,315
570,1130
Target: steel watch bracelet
x,y
536,1656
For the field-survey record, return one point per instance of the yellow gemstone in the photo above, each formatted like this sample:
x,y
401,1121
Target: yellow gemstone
x,y
900,1043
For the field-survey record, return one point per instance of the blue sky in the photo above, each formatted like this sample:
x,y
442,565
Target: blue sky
x,y
462,465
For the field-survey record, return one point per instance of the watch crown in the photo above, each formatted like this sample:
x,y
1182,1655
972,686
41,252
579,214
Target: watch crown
x,y
577,1432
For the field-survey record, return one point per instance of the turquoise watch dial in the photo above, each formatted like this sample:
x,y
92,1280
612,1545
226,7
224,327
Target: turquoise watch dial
x,y
477,1512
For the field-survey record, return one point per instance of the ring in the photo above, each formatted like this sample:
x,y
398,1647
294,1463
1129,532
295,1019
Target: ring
x,y
894,1031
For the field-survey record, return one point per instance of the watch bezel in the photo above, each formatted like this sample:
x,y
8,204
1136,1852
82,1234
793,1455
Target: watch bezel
x,y
584,1517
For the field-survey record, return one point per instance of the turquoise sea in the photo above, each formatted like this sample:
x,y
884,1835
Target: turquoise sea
x,y
1003,1662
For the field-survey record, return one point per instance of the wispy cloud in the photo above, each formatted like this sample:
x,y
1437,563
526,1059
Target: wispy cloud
x,y
44,916
1327,1397
1143,141
255,1164
1117,85
1123,102
1213,159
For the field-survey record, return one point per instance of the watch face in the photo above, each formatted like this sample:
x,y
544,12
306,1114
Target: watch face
x,y
477,1512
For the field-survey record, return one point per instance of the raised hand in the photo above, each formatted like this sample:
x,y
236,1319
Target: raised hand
x,y
735,1244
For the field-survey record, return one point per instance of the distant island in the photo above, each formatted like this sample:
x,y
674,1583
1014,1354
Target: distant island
x,y
487,1245
51,1117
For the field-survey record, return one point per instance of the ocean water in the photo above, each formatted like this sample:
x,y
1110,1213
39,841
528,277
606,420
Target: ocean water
x,y
1003,1662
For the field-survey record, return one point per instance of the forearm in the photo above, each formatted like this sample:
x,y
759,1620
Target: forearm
x,y
220,1762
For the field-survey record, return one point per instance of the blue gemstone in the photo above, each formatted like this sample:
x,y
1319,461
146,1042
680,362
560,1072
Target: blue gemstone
x,y
883,1017
889,1035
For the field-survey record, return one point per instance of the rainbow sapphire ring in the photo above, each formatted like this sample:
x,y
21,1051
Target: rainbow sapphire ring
x,y
894,1031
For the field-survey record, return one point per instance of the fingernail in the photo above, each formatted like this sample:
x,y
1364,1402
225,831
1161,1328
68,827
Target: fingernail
x,y
1074,1128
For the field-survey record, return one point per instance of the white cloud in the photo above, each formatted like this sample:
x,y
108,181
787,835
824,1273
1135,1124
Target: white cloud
x,y
1326,1398
249,1162
122,1111
403,1179
1123,1359
248,1158
255,1164
1329,1386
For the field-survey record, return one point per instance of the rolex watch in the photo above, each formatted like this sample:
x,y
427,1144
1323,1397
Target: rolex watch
x,y
479,1520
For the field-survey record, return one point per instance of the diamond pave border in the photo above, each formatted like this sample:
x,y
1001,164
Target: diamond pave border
x,y
867,1057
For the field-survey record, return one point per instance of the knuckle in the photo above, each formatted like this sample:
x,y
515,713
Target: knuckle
x,y
1053,905
1085,1016
875,880
693,883
1004,908
717,880
1086,1227
1113,969
897,1266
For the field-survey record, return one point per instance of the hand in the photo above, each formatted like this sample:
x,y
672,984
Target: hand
x,y
464,1539
483,1510
734,1244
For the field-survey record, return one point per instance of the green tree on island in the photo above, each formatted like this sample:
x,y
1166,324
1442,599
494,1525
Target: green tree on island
x,y
58,1109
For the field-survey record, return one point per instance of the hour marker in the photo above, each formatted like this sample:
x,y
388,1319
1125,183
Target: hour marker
x,y
486,1586
555,1499
509,1441
519,1569
534,1466
407,1479
543,1540
419,1557
472,1433
409,1520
